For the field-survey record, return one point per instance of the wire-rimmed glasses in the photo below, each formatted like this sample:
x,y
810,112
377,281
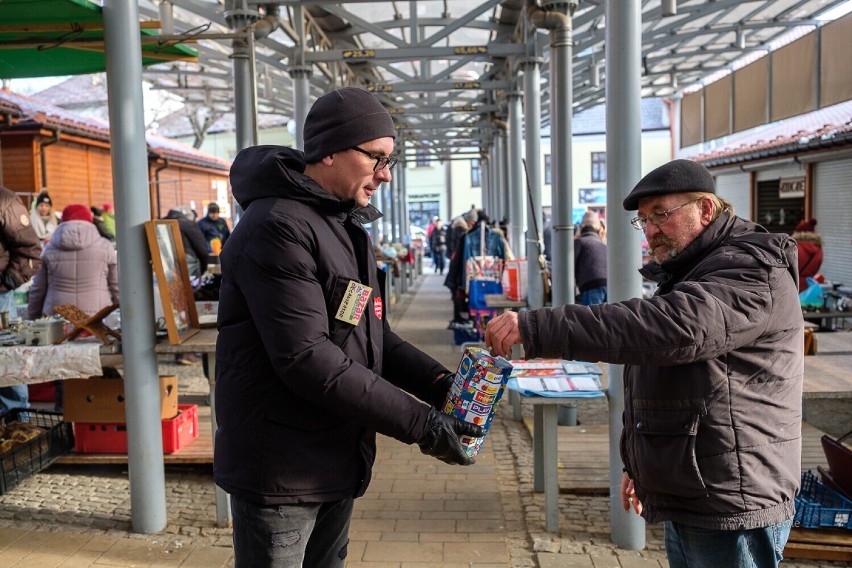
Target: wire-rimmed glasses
x,y
381,161
657,218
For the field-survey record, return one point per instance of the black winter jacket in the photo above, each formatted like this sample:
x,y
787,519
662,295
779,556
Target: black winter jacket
x,y
300,394
713,382
589,260
194,245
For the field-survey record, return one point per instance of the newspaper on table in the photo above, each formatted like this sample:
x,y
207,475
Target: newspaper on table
x,y
477,387
556,377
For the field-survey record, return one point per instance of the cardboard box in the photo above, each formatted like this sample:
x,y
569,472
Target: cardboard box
x,y
99,399
102,438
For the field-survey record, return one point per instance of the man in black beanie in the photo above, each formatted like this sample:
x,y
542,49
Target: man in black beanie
x,y
713,372
308,368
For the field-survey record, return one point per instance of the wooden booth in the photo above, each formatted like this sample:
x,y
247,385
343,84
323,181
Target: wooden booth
x,y
46,147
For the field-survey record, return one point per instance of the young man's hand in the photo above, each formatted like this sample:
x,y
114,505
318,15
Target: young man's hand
x,y
440,438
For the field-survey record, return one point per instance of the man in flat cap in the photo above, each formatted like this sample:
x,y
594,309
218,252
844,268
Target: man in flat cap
x,y
308,368
713,372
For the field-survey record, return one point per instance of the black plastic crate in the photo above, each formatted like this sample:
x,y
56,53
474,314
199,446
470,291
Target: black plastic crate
x,y
818,505
36,454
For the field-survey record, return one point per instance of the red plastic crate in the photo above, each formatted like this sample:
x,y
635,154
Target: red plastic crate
x,y
106,438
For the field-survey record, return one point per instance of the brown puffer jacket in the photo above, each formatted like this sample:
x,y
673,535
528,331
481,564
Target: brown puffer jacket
x,y
20,248
713,382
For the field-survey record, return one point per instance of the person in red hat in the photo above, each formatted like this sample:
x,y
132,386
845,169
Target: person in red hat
x,y
78,267
809,245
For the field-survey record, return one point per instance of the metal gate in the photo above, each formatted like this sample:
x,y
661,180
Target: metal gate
x,y
736,188
832,205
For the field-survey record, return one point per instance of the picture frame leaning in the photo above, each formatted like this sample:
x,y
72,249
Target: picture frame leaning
x,y
171,274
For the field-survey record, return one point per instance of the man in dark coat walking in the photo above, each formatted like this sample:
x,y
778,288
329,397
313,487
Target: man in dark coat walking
x,y
590,260
714,364
308,368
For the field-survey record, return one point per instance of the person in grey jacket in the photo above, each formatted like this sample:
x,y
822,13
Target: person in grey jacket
x,y
713,372
308,369
79,267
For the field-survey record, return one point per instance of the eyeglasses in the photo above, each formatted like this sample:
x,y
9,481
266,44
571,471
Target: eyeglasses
x,y
657,218
381,161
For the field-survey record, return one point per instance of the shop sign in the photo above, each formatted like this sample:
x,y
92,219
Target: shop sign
x,y
791,188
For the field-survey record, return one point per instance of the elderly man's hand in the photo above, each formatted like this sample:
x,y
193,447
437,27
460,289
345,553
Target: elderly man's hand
x,y
501,333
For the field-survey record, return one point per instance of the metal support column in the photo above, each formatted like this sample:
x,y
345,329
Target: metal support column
x,y
516,183
301,104
502,173
499,180
402,184
393,193
484,196
532,112
562,235
132,207
623,144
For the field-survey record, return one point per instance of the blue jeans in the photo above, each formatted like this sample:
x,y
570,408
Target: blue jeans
x,y
15,396
692,547
313,535
593,296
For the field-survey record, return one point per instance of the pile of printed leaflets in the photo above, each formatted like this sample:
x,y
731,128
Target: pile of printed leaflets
x,y
556,378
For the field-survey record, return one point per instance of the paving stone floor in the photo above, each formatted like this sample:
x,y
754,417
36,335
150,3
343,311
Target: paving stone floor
x,y
418,513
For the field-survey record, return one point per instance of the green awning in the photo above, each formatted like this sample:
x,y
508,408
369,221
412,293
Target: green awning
x,y
50,38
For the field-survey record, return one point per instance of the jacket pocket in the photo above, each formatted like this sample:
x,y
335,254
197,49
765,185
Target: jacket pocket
x,y
340,330
664,452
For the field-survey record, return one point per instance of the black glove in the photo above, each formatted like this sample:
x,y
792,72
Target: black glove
x,y
440,389
441,438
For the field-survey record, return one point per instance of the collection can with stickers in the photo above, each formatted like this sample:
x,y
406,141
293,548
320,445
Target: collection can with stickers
x,y
477,387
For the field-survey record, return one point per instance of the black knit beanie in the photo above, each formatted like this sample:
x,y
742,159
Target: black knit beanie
x,y
678,176
344,118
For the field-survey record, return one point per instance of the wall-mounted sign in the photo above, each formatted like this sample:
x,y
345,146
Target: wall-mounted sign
x,y
791,187
592,195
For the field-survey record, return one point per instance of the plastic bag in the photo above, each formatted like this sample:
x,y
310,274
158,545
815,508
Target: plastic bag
x,y
812,296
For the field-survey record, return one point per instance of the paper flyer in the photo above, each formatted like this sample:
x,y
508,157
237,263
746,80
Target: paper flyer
x,y
559,384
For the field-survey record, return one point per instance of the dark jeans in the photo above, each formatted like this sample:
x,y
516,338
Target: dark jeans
x,y
593,296
438,260
692,547
291,536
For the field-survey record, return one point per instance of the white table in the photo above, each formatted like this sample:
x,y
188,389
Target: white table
x,y
29,364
